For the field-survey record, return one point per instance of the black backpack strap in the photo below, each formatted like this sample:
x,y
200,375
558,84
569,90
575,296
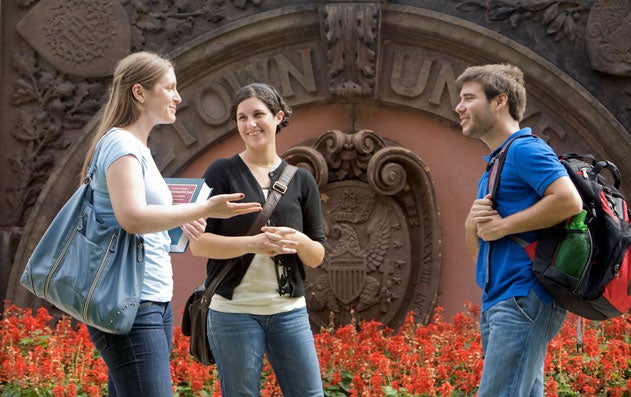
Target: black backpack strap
x,y
496,164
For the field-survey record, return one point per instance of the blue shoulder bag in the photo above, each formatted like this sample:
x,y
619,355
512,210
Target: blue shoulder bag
x,y
87,269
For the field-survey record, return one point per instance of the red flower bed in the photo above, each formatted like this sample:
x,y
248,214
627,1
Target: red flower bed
x,y
441,359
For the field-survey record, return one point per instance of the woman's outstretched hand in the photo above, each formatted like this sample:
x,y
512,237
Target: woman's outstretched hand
x,y
222,206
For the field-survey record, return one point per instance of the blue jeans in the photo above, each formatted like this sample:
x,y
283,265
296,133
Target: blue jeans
x,y
515,335
138,363
238,342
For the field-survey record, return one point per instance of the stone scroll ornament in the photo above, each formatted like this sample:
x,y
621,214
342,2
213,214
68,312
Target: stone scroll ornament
x,y
79,38
609,37
382,231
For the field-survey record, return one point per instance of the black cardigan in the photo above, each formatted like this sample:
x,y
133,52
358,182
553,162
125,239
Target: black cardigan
x,y
299,208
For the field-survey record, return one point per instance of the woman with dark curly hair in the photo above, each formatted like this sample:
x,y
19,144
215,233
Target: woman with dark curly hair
x,y
259,307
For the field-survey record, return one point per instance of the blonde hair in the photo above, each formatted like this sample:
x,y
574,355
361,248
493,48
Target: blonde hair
x,y
144,68
496,79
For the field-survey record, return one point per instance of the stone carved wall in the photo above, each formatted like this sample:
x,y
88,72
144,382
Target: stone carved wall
x,y
382,228
608,33
351,33
70,35
378,53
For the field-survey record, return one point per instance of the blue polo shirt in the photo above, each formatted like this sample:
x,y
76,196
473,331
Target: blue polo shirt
x,y
530,167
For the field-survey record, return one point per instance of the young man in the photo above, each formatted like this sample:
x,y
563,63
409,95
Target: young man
x,y
518,317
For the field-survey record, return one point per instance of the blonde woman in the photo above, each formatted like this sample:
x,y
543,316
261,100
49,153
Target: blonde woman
x,y
129,191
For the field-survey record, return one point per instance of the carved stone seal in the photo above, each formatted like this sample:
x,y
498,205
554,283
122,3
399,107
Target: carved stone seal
x,y
80,38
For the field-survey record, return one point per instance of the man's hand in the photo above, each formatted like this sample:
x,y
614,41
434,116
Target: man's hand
x,y
484,220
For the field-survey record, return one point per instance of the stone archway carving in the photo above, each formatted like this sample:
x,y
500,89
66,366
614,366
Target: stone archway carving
x,y
418,54
382,226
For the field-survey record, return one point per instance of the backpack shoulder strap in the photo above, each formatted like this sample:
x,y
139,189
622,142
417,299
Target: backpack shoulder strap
x,y
496,163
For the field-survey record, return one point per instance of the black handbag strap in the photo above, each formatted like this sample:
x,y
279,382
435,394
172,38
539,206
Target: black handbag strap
x,y
273,197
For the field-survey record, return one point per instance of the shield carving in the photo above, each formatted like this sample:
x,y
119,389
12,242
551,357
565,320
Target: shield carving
x,y
347,271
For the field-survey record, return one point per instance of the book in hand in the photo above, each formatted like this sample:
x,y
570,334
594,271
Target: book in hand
x,y
184,191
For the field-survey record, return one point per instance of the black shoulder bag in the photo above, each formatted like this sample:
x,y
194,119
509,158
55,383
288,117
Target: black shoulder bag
x,y
194,320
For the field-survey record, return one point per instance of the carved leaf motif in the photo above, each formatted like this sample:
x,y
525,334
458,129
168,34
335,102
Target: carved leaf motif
x,y
40,165
56,108
47,78
23,64
23,93
16,166
550,13
31,195
558,17
86,106
75,121
51,110
25,131
64,88
569,28
557,24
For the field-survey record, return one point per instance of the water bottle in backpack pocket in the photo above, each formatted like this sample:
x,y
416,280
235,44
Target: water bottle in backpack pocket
x,y
585,261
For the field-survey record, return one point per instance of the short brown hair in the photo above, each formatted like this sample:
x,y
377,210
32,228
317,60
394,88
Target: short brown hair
x,y
496,79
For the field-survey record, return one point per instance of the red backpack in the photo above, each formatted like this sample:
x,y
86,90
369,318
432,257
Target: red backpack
x,y
585,261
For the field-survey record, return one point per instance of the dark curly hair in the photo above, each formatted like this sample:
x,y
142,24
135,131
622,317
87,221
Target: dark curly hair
x,y
268,95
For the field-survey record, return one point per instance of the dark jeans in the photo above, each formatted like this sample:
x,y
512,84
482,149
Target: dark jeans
x,y
138,362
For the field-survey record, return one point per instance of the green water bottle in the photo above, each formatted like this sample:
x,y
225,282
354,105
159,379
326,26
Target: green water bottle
x,y
574,251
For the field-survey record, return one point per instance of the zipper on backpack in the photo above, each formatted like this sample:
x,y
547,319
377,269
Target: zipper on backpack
x,y
52,271
97,278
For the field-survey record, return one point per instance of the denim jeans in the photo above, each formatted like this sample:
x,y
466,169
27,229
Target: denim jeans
x,y
515,335
138,362
238,342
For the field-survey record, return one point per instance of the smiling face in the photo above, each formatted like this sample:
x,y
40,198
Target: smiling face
x,y
161,101
475,111
256,123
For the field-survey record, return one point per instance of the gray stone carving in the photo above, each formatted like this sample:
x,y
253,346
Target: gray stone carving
x,y
351,32
609,37
53,111
79,38
382,229
560,18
